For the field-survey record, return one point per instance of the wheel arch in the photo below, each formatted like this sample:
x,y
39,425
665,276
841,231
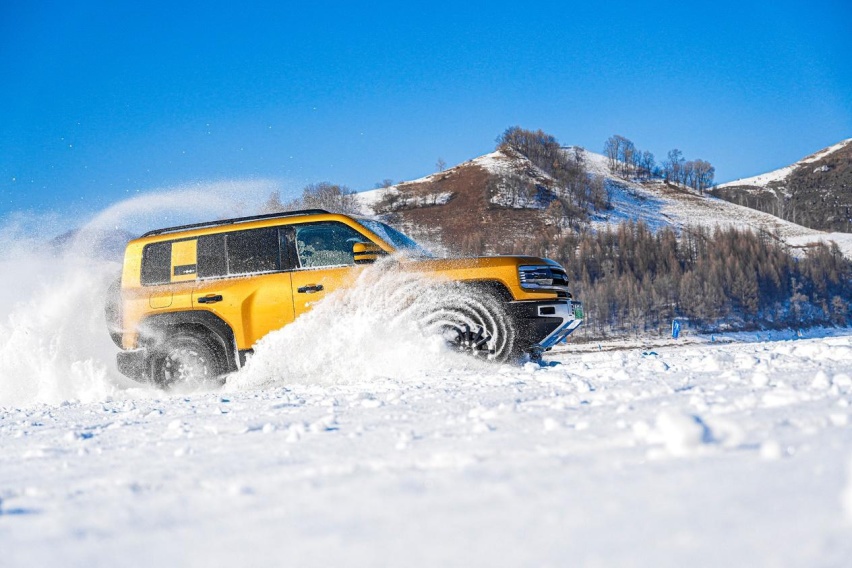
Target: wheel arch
x,y
154,329
494,287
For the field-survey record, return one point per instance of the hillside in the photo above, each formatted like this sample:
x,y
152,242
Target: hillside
x,y
494,199
815,192
469,206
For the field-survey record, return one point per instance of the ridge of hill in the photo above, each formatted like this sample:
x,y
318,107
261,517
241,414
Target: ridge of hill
x,y
815,192
487,203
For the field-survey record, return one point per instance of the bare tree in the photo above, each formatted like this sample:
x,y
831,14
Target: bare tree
x,y
647,164
273,204
623,157
674,166
441,165
687,173
540,148
704,173
612,150
628,156
324,195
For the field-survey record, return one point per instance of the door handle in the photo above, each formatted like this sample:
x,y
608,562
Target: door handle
x,y
210,299
309,289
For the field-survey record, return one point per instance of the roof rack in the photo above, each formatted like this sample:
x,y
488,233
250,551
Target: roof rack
x,y
234,221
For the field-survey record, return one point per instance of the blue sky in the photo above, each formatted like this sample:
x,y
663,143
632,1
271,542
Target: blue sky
x,y
101,100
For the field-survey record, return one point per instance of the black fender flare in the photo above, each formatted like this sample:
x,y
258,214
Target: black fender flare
x,y
155,328
495,287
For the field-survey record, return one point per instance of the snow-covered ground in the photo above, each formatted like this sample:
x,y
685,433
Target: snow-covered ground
x,y
351,439
705,453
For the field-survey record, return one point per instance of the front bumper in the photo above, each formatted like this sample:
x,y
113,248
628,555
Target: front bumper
x,y
541,325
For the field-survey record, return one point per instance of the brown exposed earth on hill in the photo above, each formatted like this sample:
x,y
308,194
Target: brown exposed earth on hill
x,y
468,222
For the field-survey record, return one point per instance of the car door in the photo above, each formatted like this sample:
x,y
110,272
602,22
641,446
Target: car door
x,y
243,279
322,261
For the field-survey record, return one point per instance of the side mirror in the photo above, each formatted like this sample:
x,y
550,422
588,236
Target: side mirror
x,y
365,253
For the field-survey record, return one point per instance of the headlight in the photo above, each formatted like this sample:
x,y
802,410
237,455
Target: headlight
x,y
535,276
543,278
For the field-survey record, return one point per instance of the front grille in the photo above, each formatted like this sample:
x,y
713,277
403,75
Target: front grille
x,y
560,277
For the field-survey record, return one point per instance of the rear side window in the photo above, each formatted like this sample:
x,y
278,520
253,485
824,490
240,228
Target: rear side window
x,y
224,254
211,256
252,251
242,252
156,263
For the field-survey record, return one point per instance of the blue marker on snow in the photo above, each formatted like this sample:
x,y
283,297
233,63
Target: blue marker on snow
x,y
675,329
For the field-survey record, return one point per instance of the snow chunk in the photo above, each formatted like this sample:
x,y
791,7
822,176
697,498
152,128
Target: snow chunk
x,y
821,381
771,450
760,379
682,433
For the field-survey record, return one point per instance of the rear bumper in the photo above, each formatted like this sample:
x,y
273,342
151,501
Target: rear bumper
x,y
541,325
133,364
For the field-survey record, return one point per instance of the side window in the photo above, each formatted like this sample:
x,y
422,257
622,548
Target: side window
x,y
211,256
326,244
156,264
241,252
252,251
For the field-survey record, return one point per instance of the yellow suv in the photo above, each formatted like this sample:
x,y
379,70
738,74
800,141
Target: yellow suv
x,y
193,300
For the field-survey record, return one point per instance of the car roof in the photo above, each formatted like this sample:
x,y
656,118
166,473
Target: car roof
x,y
234,221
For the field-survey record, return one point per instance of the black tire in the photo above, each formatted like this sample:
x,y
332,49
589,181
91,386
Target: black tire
x,y
475,323
188,361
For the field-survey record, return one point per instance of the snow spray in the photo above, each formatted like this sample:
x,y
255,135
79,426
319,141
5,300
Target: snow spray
x,y
54,344
387,325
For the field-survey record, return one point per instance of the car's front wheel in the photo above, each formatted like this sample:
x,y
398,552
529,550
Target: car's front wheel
x,y
475,323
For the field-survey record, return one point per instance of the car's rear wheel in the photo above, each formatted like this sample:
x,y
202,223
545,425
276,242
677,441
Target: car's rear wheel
x,y
474,323
188,361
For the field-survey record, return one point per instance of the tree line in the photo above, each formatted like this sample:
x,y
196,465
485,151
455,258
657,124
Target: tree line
x,y
634,280
626,160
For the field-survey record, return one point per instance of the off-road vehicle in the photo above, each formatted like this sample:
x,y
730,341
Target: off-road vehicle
x,y
193,300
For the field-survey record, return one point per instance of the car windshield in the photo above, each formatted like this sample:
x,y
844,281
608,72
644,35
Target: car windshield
x,y
395,238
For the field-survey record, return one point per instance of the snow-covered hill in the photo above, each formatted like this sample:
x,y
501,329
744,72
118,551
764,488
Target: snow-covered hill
x,y
654,202
780,176
659,204
815,191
